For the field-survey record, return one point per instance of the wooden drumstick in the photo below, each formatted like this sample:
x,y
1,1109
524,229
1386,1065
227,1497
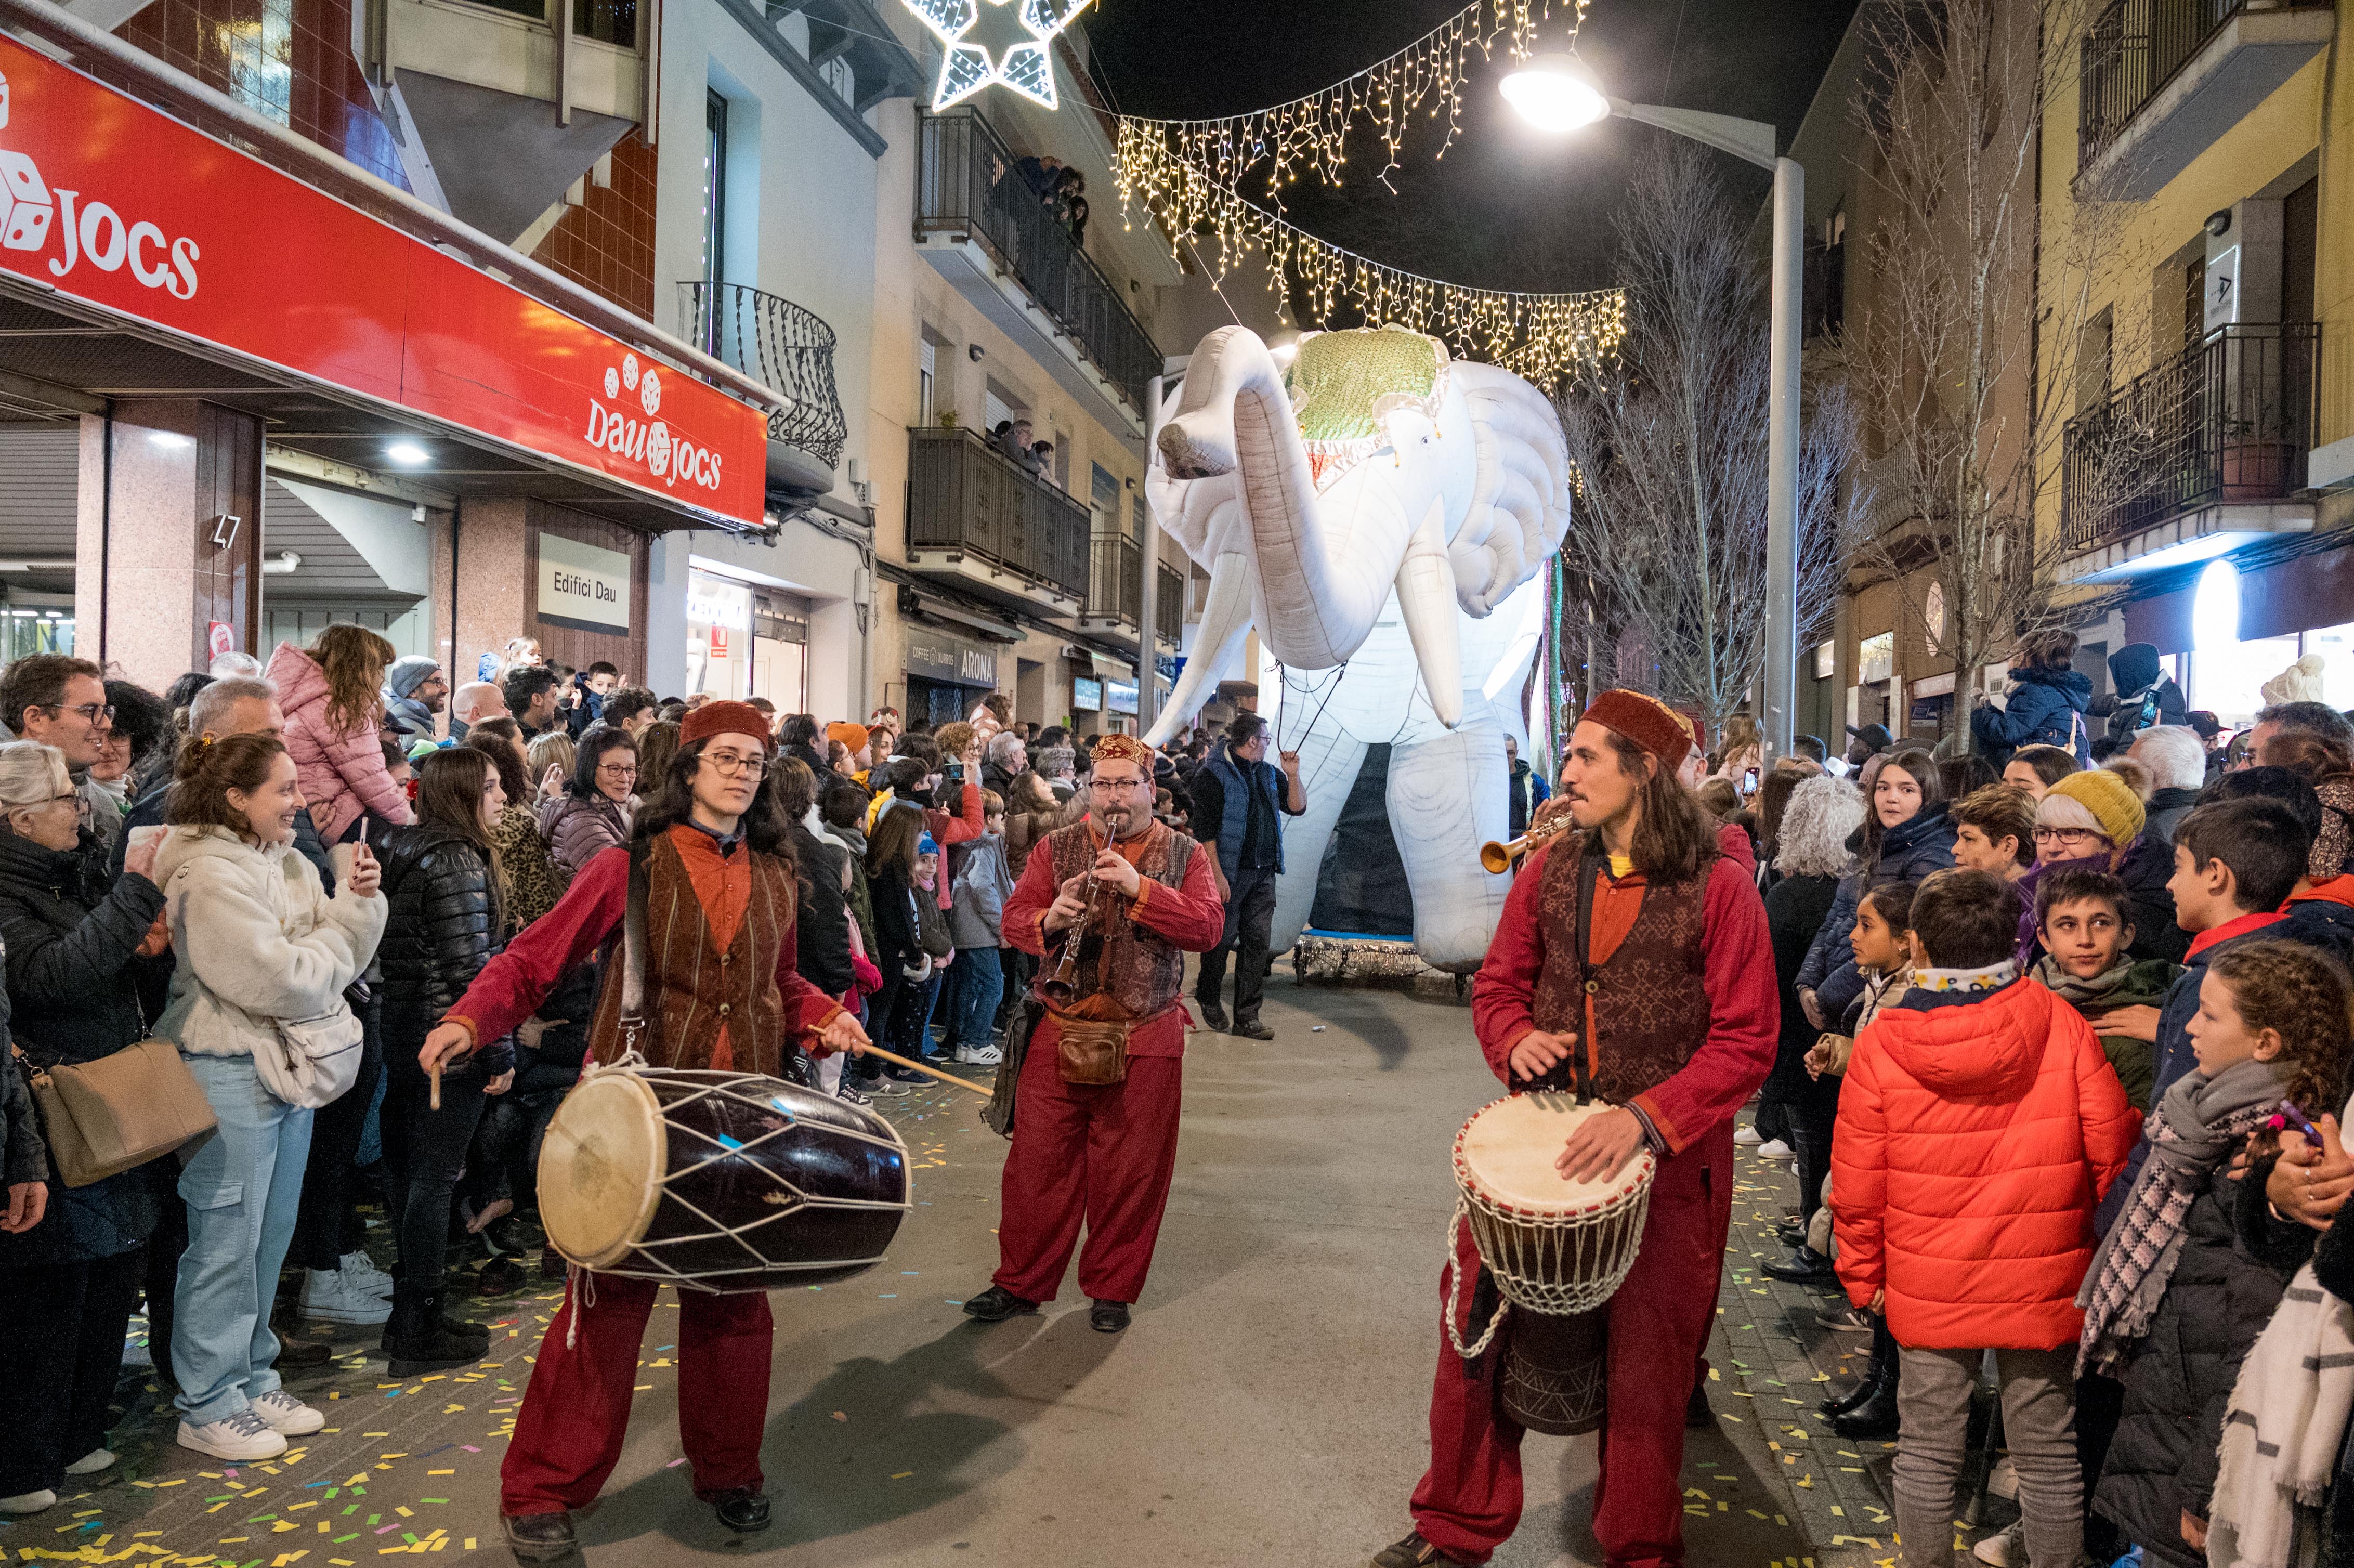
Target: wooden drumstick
x,y
434,1074
897,1060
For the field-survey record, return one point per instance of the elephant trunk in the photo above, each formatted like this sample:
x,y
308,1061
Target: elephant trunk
x,y
1325,564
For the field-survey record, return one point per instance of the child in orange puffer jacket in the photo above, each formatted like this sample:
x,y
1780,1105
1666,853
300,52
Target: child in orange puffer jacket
x,y
1978,1127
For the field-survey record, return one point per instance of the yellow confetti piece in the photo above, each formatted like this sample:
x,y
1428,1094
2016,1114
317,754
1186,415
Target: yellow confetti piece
x,y
902,1475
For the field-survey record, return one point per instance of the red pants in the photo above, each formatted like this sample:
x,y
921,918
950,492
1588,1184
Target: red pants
x,y
567,1436
1102,1152
1469,1500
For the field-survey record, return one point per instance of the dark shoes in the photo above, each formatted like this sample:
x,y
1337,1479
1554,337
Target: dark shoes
x,y
502,1275
1874,1415
1252,1029
1214,1016
540,1537
1697,1414
1108,1316
1803,1267
743,1510
996,1304
1791,1234
1414,1551
419,1339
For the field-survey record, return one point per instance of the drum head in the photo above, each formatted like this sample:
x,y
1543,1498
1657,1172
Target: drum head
x,y
1507,1152
600,1169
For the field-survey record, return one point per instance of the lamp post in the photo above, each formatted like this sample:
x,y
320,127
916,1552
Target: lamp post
x,y
1556,92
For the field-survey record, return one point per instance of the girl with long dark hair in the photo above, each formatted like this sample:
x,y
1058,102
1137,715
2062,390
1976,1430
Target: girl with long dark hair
x,y
445,923
1904,837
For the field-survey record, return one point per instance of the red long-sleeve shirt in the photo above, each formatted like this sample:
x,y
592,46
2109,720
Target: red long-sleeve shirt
x,y
1744,1015
1191,916
512,985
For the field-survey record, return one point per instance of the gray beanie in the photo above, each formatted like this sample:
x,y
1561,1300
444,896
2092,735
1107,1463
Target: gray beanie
x,y
407,674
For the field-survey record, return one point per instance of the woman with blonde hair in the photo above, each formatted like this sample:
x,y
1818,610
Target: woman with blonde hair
x,y
332,696
549,759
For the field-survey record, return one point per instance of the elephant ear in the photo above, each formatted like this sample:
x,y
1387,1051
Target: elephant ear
x,y
1519,497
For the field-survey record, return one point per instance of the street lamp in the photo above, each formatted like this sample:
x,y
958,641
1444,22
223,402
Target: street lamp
x,y
1557,93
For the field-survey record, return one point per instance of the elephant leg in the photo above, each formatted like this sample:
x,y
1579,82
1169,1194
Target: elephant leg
x,y
1329,759
1448,796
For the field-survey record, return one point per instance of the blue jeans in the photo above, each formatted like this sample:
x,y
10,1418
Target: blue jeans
x,y
243,1189
980,977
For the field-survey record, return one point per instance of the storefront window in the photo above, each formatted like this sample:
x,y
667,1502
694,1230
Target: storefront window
x,y
718,634
2227,675
2334,645
28,631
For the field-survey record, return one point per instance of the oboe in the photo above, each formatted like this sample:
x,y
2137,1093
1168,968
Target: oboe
x,y
1063,984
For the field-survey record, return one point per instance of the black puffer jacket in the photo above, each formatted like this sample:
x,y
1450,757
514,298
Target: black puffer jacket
x,y
822,923
2178,1379
441,928
73,933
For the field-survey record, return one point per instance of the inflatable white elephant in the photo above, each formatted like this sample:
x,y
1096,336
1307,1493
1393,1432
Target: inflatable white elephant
x,y
1382,509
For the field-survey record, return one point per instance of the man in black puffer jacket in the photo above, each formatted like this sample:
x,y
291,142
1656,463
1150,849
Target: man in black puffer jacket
x,y
441,928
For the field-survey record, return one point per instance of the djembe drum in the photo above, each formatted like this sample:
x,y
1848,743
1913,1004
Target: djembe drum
x,y
1557,1249
719,1180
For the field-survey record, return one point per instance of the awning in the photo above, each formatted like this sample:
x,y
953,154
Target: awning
x,y
1110,669
933,607
144,259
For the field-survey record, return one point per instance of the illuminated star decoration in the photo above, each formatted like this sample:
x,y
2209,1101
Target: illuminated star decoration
x,y
966,67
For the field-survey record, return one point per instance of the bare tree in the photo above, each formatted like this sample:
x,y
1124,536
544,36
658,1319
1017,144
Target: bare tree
x,y
1669,448
1972,337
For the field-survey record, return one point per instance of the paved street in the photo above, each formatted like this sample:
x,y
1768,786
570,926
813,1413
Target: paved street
x,y
1267,1407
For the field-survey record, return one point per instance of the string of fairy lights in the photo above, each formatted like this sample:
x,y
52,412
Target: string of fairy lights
x,y
1207,179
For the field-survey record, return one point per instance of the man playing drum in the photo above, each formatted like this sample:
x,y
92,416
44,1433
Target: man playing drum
x,y
1672,1010
720,991
1096,1137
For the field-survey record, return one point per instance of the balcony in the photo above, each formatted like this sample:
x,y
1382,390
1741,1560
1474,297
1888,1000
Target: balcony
x,y
978,224
2192,458
2160,80
788,350
977,516
1115,594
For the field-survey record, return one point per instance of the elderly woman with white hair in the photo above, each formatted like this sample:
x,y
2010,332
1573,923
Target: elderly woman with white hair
x,y
77,937
2177,760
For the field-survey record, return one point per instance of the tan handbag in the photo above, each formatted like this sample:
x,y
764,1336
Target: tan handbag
x,y
103,1118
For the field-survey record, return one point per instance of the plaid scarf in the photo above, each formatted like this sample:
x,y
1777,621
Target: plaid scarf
x,y
2198,1126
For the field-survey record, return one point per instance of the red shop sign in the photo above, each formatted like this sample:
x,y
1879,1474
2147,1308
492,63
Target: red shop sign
x,y
107,200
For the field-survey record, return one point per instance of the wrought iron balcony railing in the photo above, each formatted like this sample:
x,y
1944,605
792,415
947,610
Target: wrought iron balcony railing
x,y
965,496
775,342
2230,419
2133,49
970,182
1115,585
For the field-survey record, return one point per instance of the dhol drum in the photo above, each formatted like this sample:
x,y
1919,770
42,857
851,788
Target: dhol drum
x,y
719,1180
1557,1249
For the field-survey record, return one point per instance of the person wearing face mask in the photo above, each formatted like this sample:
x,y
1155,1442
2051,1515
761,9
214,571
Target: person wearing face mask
x,y
1905,835
257,1012
76,937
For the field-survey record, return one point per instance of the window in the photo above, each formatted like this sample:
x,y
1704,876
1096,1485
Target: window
x,y
1876,658
927,365
715,185
607,21
1103,497
994,409
1826,659
2093,362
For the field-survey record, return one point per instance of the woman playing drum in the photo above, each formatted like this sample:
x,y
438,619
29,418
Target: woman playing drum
x,y
719,903
1633,963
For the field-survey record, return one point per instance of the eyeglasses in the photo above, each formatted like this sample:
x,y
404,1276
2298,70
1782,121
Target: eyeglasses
x,y
735,764
617,769
1109,784
2066,835
94,712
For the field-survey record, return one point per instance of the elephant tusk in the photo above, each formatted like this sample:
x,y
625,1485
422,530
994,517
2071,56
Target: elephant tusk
x,y
1425,596
1225,621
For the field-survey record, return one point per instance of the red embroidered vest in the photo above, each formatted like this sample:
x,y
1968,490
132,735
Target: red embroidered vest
x,y
693,990
1650,1009
1116,956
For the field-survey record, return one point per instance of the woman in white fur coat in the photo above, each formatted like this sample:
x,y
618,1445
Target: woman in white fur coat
x,y
258,1014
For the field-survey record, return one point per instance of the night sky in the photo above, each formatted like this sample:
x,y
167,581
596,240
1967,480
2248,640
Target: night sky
x,y
1509,207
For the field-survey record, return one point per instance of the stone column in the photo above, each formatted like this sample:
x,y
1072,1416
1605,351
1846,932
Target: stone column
x,y
168,540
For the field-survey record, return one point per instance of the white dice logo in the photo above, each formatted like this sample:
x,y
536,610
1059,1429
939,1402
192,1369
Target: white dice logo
x,y
25,208
650,393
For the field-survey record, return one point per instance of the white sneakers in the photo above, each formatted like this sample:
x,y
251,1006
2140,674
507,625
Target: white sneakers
x,y
287,1415
1747,1134
92,1463
360,1272
29,1502
332,1296
980,1055
1775,1149
2006,1549
243,1435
